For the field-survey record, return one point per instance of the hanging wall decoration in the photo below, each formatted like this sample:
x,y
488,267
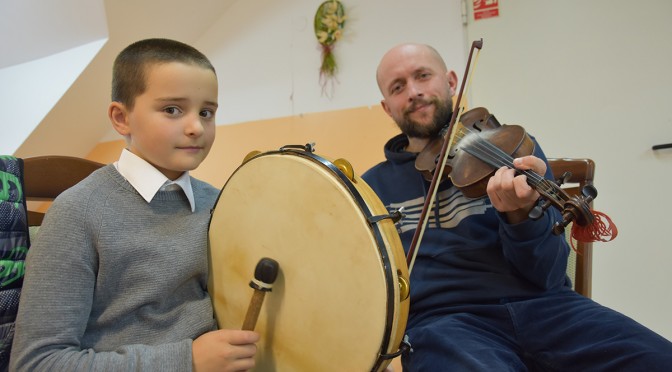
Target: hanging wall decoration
x,y
329,24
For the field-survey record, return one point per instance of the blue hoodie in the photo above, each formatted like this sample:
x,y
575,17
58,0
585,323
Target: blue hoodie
x,y
473,256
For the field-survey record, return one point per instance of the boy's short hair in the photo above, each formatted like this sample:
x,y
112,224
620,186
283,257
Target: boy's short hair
x,y
130,66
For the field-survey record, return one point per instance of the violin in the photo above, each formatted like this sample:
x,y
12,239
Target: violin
x,y
472,153
481,145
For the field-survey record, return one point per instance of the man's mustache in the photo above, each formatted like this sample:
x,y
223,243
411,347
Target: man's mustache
x,y
417,103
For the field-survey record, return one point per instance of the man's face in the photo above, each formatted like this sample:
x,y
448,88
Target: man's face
x,y
417,90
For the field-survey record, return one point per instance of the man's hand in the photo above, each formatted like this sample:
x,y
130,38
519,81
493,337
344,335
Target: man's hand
x,y
511,194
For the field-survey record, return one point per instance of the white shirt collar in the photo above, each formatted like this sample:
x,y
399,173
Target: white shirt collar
x,y
147,180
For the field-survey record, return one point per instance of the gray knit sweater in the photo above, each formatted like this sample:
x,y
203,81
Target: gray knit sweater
x,y
115,283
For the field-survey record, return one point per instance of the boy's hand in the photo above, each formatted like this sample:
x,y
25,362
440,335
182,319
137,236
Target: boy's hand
x,y
511,194
224,350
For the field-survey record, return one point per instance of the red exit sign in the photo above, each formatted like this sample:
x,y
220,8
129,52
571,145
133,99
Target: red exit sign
x,y
486,9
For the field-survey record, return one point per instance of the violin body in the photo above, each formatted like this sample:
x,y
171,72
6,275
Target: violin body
x,y
429,157
478,146
469,173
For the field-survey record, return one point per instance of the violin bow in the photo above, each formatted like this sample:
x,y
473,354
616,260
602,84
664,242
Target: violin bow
x,y
438,173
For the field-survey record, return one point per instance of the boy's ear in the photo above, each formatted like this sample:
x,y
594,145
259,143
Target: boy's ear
x,y
119,117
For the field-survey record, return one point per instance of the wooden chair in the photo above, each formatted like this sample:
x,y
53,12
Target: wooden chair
x,y
44,177
579,266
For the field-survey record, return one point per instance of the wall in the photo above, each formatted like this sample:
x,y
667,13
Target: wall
x,y
267,57
356,135
591,78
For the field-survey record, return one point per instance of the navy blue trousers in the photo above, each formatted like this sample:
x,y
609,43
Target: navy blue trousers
x,y
561,332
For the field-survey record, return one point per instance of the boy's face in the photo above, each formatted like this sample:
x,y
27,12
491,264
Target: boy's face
x,y
172,124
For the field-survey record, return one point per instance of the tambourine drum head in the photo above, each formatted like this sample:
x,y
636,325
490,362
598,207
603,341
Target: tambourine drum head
x,y
333,299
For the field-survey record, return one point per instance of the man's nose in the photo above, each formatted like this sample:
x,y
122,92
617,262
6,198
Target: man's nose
x,y
414,92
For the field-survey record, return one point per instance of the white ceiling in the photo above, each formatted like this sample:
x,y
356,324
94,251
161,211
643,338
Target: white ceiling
x,y
33,29
38,36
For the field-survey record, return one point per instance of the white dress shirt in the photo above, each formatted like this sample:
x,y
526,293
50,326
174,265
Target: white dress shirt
x,y
147,180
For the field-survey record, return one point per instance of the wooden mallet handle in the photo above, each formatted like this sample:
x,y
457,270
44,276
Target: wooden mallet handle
x,y
264,276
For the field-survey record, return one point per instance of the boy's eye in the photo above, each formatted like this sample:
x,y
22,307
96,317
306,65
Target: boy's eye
x,y
207,114
172,110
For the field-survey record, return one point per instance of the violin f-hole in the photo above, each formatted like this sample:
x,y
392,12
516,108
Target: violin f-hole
x,y
477,126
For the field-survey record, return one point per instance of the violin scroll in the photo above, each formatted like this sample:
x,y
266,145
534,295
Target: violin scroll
x,y
574,208
577,209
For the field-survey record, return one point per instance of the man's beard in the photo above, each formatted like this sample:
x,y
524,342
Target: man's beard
x,y
442,116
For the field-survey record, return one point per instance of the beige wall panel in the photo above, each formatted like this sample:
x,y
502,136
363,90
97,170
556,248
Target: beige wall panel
x,y
357,135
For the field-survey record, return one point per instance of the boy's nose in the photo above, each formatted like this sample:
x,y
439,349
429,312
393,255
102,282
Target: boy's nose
x,y
194,126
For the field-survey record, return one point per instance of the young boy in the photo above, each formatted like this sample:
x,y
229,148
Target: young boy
x,y
117,277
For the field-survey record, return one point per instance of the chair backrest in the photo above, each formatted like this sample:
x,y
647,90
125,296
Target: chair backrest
x,y
47,176
579,267
23,181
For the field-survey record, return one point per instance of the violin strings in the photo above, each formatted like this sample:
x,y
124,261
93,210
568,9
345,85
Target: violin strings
x,y
491,154
496,157
601,228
